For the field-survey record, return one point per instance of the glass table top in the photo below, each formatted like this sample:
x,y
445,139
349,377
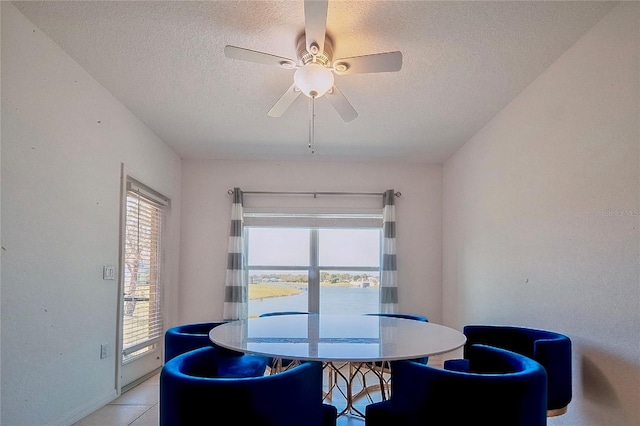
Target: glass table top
x,y
348,338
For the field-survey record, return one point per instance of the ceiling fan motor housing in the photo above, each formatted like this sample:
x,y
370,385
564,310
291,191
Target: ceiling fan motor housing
x,y
322,58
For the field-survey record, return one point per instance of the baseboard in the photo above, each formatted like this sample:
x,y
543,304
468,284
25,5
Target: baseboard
x,y
86,409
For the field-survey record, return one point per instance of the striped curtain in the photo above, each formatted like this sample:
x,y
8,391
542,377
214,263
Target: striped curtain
x,y
388,269
236,293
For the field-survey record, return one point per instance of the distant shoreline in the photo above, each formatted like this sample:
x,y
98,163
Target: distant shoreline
x,y
266,291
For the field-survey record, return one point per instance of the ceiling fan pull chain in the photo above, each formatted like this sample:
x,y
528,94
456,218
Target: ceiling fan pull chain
x,y
312,130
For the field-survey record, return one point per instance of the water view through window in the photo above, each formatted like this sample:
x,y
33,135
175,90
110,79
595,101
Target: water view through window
x,y
308,269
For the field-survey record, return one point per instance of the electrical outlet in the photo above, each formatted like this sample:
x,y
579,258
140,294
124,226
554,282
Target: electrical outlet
x,y
103,351
109,272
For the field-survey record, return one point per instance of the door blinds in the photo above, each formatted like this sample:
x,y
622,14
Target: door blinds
x,y
143,247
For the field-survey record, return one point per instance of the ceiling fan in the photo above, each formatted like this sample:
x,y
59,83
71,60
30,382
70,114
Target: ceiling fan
x,y
315,66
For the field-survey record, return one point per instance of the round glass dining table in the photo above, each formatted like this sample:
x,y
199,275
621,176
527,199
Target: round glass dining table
x,y
338,340
335,338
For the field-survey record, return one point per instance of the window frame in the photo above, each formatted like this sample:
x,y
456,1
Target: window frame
x,y
313,222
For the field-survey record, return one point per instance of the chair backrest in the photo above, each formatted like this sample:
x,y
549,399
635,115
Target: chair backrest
x,y
283,362
413,317
405,316
187,337
189,389
504,388
271,314
551,349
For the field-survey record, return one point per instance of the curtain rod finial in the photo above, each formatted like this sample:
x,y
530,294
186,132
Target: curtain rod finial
x,y
230,192
398,193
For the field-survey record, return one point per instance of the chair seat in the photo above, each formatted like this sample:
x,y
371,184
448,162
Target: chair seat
x,y
461,365
242,366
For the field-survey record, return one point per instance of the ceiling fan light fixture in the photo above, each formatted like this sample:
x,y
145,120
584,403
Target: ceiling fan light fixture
x,y
314,80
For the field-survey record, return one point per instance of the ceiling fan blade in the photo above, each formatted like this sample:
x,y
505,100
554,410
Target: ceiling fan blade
x,y
284,102
315,23
258,57
378,62
341,104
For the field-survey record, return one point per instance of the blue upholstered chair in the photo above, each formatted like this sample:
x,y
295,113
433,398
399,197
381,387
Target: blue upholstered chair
x,y
195,386
501,388
405,316
186,337
381,369
552,350
271,314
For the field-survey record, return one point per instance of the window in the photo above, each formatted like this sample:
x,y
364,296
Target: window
x,y
313,263
142,263
349,264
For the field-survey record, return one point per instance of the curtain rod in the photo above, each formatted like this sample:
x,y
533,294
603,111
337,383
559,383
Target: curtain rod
x,y
315,193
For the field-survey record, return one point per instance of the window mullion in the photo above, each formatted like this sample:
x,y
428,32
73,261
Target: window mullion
x,y
314,272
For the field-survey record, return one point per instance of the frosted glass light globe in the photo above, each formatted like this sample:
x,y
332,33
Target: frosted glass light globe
x,y
313,80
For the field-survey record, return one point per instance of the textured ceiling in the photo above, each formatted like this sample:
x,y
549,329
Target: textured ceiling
x,y
462,63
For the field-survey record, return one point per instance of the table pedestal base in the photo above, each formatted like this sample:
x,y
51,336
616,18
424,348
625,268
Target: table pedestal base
x,y
337,377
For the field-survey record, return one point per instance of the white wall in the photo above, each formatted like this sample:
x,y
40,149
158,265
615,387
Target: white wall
x,y
541,218
206,210
64,138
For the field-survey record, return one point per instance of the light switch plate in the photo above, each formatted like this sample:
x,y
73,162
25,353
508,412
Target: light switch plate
x,y
109,272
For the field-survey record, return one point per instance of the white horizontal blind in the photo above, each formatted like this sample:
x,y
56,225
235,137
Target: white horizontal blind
x,y
297,219
142,310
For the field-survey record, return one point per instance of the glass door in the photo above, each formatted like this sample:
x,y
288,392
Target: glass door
x,y
141,326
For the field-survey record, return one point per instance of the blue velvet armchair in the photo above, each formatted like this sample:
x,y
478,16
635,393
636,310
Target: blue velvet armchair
x,y
501,388
552,350
186,337
193,387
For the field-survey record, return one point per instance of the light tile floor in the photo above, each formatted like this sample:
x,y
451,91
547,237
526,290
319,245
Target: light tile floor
x,y
139,407
136,407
